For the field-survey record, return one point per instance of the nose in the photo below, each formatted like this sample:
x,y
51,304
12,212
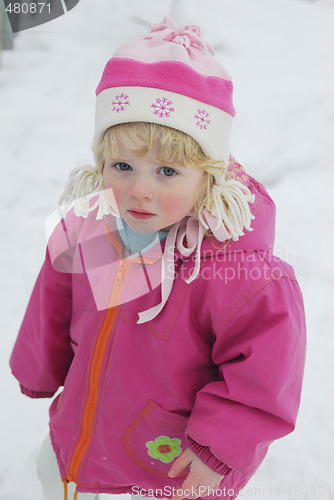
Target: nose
x,y
140,188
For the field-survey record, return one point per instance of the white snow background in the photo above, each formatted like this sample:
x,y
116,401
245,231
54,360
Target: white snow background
x,y
280,54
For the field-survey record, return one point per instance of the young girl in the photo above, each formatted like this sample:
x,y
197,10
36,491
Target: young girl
x,y
178,337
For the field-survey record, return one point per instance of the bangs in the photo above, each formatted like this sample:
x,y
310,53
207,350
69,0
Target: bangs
x,y
140,138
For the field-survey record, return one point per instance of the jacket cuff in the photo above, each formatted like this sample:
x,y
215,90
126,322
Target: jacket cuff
x,y
205,454
36,394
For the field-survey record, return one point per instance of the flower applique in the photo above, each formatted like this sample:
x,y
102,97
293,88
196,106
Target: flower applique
x,y
163,107
164,448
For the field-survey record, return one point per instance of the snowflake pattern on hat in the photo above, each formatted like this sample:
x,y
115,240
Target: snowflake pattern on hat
x,y
163,107
120,102
202,119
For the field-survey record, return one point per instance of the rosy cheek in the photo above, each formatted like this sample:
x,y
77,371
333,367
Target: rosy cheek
x,y
173,205
109,183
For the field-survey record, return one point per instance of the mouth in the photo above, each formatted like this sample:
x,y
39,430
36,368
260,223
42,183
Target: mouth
x,y
140,214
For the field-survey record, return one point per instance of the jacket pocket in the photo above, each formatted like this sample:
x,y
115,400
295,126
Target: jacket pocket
x,y
155,438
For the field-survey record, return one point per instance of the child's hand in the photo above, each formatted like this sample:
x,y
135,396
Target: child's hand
x,y
199,479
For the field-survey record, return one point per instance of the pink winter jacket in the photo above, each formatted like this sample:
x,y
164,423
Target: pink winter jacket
x,y
219,369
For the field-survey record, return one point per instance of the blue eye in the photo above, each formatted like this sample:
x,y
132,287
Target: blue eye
x,y
168,171
123,167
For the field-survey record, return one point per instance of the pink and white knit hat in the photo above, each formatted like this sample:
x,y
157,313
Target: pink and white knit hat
x,y
169,77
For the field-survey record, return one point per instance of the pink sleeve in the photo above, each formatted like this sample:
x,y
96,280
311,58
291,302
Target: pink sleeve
x,y
204,454
36,394
42,353
259,352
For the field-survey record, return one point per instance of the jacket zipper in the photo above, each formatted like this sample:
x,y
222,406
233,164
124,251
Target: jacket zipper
x,y
97,361
94,376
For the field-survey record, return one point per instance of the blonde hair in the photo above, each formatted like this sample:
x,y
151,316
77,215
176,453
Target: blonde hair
x,y
218,193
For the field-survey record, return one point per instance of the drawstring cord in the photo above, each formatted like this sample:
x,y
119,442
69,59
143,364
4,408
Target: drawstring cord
x,y
65,489
65,482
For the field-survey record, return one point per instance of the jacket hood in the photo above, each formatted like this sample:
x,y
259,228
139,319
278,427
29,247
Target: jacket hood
x,y
262,235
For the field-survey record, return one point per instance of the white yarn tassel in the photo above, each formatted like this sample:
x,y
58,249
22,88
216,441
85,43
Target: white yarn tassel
x,y
236,216
81,182
85,183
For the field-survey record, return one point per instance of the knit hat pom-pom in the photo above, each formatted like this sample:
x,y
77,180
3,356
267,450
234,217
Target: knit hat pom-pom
x,y
188,36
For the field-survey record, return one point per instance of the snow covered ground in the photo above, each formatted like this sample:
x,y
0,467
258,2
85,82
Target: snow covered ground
x,y
280,53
